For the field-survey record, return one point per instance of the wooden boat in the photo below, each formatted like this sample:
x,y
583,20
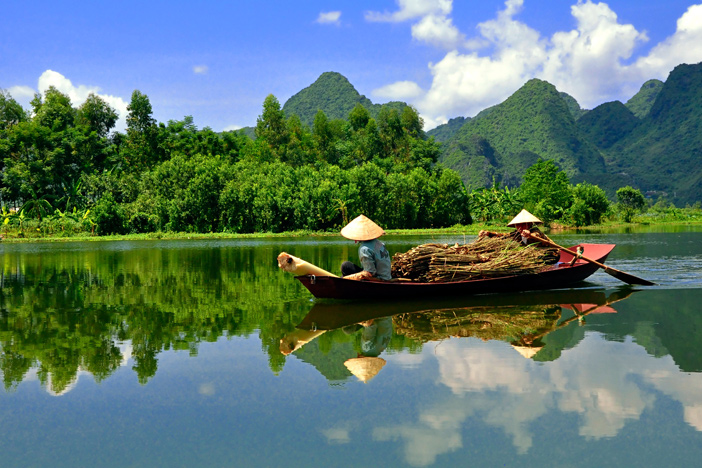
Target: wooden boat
x,y
562,274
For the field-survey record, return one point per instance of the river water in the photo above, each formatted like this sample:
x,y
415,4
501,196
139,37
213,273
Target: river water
x,y
204,353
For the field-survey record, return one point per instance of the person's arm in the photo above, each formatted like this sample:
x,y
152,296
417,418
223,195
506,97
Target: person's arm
x,y
484,233
363,275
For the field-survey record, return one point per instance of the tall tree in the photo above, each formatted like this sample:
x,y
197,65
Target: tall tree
x,y
11,112
271,126
97,115
546,190
140,151
54,111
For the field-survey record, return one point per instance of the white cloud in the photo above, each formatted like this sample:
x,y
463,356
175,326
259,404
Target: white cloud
x,y
484,70
399,91
412,9
78,94
597,48
434,25
21,93
684,46
438,31
206,389
230,128
329,17
201,69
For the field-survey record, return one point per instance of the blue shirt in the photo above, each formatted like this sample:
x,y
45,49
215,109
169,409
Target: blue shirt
x,y
375,258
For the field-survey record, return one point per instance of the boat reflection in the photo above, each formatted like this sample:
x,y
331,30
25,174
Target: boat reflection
x,y
522,320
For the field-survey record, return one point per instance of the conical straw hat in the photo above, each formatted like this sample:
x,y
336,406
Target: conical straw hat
x,y
362,229
527,351
524,217
365,368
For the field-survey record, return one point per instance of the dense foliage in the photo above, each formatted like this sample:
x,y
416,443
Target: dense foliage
x,y
652,143
333,94
62,170
640,104
535,122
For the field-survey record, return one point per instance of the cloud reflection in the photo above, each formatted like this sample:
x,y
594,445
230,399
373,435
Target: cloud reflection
x,y
605,383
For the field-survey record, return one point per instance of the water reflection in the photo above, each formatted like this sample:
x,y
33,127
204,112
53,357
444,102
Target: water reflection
x,y
174,350
605,384
522,320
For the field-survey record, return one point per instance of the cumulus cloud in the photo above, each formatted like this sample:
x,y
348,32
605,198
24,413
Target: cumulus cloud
x,y
329,17
434,25
684,46
482,71
201,69
78,94
412,9
399,91
21,93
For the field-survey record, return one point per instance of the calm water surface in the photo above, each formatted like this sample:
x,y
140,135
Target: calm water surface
x,y
177,353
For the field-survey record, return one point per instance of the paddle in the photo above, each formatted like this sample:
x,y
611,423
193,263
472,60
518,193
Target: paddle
x,y
620,275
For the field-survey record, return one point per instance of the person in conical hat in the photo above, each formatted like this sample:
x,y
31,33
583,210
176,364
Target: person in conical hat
x,y
375,259
525,229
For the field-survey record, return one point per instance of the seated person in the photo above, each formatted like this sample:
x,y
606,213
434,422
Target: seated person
x,y
525,229
375,259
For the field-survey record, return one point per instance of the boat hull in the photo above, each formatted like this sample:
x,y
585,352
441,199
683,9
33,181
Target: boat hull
x,y
560,275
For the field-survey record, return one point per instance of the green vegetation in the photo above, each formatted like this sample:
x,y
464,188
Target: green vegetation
x,y
63,173
336,97
535,122
330,154
640,104
652,143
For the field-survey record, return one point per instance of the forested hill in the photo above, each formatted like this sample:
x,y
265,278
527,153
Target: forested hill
x,y
653,143
535,122
333,94
663,153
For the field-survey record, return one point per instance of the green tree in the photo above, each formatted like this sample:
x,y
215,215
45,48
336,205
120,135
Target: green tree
x,y
54,111
359,117
271,126
97,115
11,112
140,149
590,205
631,201
546,191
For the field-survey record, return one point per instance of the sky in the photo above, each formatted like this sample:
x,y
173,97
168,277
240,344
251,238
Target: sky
x,y
218,60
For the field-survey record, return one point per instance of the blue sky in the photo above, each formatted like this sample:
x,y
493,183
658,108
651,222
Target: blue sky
x,y
218,60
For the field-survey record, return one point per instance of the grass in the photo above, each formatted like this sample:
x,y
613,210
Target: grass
x,y
649,219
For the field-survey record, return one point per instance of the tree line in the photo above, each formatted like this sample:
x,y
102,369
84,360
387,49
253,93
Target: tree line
x,y
64,170
63,167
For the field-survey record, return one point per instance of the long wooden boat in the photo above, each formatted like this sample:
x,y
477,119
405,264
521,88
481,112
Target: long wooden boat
x,y
560,275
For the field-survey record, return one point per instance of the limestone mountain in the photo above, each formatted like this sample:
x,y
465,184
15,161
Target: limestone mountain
x,y
443,133
535,122
335,96
663,154
607,124
640,104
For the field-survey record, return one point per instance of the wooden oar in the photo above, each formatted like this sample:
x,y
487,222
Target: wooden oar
x,y
620,275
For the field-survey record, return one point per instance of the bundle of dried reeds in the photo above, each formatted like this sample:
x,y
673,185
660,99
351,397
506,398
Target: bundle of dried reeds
x,y
484,258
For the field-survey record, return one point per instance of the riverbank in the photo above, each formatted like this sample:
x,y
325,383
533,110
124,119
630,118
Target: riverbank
x,y
473,229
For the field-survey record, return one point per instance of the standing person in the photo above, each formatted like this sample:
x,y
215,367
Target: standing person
x,y
375,259
524,229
